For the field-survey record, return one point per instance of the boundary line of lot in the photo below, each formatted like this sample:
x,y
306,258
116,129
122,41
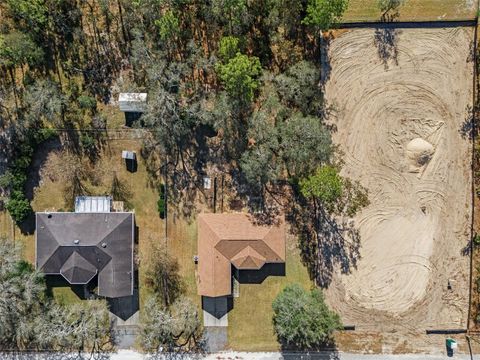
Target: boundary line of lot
x,y
408,24
473,139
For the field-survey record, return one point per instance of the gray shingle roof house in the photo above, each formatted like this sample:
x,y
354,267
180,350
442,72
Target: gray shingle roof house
x,y
79,246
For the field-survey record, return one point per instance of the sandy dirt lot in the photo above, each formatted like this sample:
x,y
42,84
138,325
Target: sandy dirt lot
x,y
400,101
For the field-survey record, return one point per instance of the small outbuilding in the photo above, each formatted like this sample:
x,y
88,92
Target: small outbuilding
x,y
133,105
130,158
129,155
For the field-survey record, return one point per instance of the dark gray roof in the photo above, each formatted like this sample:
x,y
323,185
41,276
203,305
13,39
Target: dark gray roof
x,y
77,269
80,245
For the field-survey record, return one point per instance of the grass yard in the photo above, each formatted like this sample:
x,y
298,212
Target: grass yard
x,y
64,295
182,246
143,201
250,322
413,10
245,332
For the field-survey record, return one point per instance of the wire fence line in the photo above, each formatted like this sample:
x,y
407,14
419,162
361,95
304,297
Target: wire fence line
x,y
111,134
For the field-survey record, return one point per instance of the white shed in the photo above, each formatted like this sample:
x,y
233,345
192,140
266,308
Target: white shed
x,y
129,155
132,102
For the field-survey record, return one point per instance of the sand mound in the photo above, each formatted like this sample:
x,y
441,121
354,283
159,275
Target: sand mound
x,y
419,153
393,121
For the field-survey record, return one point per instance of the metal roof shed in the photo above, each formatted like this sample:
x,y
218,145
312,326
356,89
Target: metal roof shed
x,y
132,102
129,155
93,204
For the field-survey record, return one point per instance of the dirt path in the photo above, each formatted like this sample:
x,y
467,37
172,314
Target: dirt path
x,y
400,99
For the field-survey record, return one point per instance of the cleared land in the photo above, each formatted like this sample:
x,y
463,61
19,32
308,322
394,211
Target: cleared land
x,y
401,110
413,10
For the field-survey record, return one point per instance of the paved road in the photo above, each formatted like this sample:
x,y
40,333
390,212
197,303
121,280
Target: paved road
x,y
130,355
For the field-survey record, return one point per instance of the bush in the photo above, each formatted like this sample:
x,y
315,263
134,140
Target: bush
x,y
87,102
18,207
162,276
476,240
45,134
89,145
302,320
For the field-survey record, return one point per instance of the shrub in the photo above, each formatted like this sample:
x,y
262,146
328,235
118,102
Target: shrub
x,y
18,207
45,134
162,276
476,240
87,102
88,143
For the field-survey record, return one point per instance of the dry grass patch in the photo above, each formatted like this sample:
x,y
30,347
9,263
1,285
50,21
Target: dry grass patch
x,y
413,10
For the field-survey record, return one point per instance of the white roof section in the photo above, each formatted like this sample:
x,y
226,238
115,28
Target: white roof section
x,y
130,155
93,204
132,102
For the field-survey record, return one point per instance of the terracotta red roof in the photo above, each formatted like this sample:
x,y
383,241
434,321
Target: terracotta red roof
x,y
226,239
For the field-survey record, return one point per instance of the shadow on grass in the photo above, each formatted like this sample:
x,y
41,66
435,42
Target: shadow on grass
x,y
326,243
27,226
258,276
58,281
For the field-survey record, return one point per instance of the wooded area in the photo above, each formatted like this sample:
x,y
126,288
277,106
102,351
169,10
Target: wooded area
x,y
233,85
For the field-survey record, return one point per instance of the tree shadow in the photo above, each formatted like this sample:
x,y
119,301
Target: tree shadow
x,y
27,226
39,159
467,129
467,249
55,355
325,243
325,64
386,40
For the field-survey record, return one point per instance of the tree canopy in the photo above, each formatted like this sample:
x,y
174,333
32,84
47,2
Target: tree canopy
x,y
302,320
240,76
32,320
323,14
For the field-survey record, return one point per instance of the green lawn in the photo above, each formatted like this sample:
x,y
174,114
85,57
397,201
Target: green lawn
x,y
413,10
64,295
250,322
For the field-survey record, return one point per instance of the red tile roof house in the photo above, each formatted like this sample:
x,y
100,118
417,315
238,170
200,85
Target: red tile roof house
x,y
234,239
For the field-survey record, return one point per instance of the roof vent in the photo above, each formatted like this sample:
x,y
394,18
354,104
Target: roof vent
x,y
76,241
104,245
49,215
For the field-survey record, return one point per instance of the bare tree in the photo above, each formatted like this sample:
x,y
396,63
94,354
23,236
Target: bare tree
x,y
171,329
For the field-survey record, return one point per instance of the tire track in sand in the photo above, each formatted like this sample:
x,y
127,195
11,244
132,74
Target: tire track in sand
x,y
417,223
